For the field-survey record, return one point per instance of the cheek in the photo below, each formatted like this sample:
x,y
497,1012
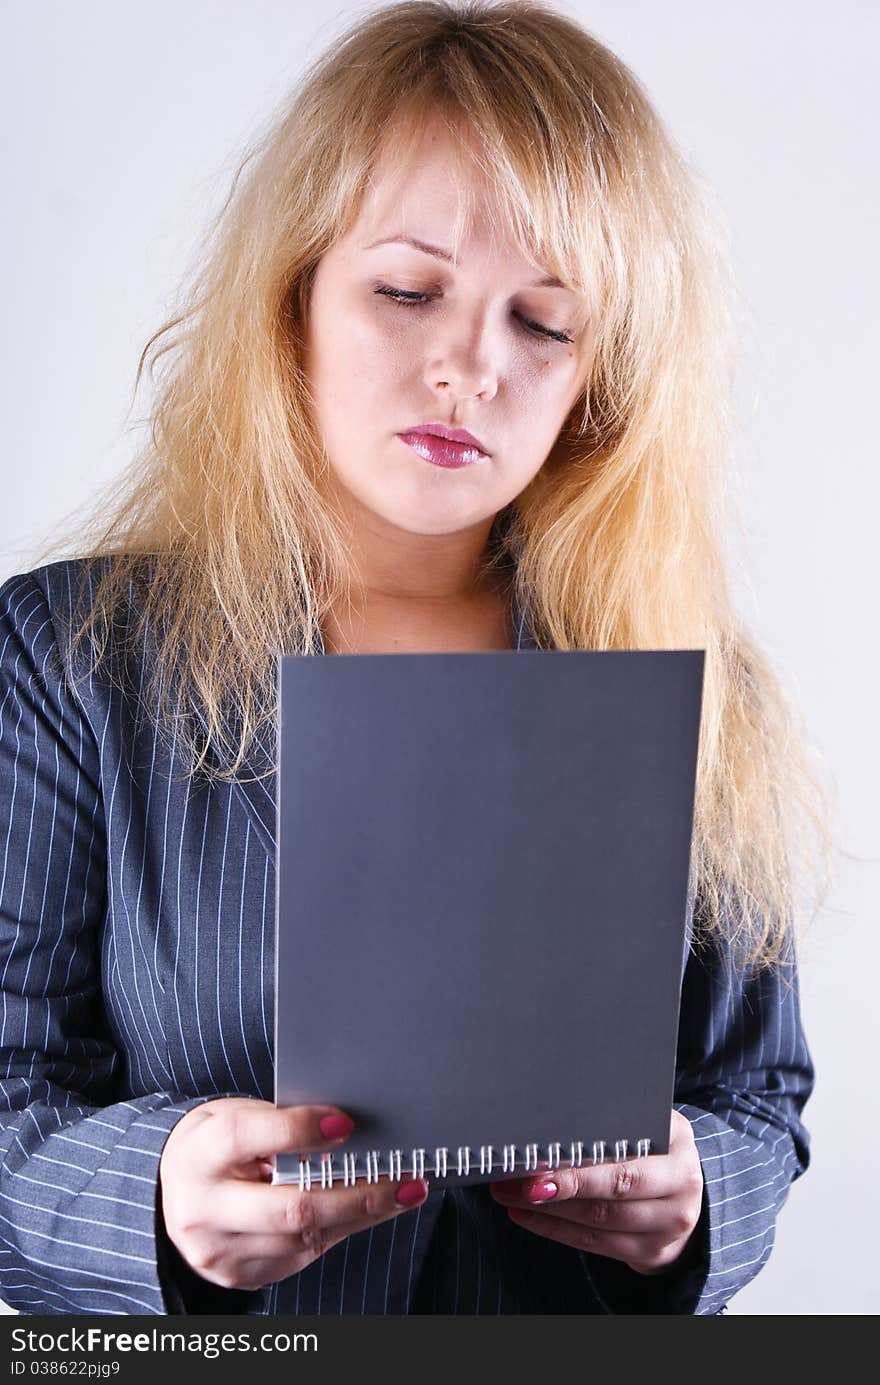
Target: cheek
x,y
542,387
364,361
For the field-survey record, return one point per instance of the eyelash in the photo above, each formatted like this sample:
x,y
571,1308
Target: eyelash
x,y
418,300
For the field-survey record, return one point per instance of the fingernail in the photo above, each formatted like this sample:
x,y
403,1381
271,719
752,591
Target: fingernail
x,y
541,1192
410,1194
335,1127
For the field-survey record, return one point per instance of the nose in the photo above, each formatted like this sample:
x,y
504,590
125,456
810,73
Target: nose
x,y
462,366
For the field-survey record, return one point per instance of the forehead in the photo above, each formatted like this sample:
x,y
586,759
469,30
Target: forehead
x,y
430,188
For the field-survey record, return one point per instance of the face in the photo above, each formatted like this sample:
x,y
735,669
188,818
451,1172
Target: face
x,y
400,336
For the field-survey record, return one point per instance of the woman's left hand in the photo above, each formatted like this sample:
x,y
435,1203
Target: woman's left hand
x,y
640,1211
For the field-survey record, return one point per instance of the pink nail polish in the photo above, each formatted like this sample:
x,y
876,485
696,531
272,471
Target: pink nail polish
x,y
411,1194
541,1192
335,1127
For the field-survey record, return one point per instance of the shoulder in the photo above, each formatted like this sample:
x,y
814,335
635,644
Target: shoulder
x,y
61,587
27,600
57,617
63,583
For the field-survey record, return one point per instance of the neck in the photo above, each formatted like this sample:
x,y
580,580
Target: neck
x,y
390,564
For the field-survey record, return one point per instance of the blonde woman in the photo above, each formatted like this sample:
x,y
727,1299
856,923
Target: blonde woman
x,y
455,376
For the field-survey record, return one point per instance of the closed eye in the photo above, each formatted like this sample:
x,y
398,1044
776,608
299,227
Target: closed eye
x,y
408,298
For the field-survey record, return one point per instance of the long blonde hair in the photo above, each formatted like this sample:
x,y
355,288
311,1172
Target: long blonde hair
x,y
616,544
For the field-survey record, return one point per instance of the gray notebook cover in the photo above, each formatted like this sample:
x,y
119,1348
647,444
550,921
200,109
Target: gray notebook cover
x,y
482,882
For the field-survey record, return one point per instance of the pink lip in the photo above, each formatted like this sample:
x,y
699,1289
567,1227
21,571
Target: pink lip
x,y
442,446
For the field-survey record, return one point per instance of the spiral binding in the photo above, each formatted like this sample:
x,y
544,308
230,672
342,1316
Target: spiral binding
x,y
463,1161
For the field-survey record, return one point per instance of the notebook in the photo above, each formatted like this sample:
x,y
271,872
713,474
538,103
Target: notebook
x,y
481,893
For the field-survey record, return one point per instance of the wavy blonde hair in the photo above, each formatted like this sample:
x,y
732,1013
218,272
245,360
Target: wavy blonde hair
x,y
616,544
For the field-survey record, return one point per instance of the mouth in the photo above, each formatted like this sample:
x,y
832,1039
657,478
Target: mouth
x,y
444,451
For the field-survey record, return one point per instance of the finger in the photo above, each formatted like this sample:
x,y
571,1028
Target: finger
x,y
242,1248
250,1130
648,1216
655,1176
238,1205
633,1249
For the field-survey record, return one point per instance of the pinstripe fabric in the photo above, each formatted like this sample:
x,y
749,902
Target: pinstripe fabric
x,y
137,918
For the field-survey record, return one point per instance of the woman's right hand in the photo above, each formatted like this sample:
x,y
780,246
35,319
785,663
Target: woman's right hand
x,y
234,1229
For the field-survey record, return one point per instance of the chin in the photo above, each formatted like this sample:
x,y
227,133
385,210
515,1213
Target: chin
x,y
424,513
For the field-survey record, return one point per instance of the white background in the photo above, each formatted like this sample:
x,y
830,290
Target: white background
x,y
123,123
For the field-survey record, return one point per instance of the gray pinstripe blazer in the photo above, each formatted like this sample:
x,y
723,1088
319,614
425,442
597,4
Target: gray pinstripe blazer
x,y
136,923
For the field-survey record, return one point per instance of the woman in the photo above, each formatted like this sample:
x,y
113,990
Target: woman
x,y
469,221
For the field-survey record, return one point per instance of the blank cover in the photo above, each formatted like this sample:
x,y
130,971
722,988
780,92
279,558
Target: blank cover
x,y
482,884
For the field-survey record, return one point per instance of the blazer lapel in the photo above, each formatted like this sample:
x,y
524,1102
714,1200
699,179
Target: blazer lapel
x,y
259,795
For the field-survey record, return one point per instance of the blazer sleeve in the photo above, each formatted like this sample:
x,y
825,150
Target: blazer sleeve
x,y
743,1075
78,1166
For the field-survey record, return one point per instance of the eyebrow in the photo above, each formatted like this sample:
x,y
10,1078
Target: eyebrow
x,y
548,282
